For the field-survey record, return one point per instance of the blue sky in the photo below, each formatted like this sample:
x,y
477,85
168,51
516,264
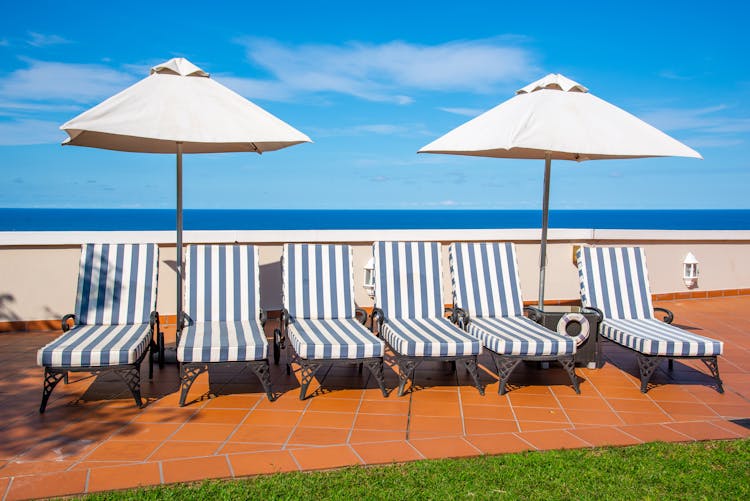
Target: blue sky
x,y
371,83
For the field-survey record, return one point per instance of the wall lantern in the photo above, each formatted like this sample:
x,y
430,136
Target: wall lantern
x,y
369,282
690,271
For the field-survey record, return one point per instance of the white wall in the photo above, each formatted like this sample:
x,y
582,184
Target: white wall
x,y
38,272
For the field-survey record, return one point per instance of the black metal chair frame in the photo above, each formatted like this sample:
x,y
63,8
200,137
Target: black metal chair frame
x,y
189,371
647,364
407,364
310,366
129,373
506,364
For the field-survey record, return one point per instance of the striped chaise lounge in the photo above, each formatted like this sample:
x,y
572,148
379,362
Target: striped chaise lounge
x,y
614,282
319,317
115,322
409,310
487,298
223,322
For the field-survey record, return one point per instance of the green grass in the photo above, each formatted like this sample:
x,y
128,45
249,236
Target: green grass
x,y
701,470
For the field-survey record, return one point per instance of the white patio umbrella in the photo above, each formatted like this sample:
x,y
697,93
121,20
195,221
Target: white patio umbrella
x,y
179,109
557,118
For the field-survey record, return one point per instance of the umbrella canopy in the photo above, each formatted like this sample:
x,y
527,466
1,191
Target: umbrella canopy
x,y
180,103
557,118
179,108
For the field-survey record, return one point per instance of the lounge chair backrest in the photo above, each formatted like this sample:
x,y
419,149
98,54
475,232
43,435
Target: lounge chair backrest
x,y
409,279
116,284
222,283
318,281
615,280
485,279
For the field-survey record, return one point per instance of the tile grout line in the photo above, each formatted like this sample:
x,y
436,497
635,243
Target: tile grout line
x,y
86,481
512,411
408,442
7,488
242,421
362,462
562,408
517,434
606,401
229,464
460,405
296,425
408,411
166,439
356,412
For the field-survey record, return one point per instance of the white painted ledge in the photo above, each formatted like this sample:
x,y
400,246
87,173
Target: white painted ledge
x,y
51,238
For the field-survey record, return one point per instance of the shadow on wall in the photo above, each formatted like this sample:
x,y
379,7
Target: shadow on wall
x,y
271,286
6,312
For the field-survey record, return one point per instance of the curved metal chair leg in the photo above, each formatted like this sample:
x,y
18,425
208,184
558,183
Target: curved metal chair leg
x,y
188,374
505,367
132,377
51,378
647,365
307,371
471,366
713,365
263,371
569,365
406,368
376,367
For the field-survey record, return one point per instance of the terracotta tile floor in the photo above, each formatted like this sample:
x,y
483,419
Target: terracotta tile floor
x,y
93,438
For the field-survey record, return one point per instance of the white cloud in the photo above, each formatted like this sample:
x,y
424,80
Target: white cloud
x,y
27,132
80,83
41,40
403,130
384,72
673,75
712,126
466,112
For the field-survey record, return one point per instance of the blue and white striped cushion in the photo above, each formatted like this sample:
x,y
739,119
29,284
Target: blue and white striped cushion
x,y
317,281
116,284
96,346
222,283
429,337
615,280
520,336
334,339
408,279
232,341
653,337
485,279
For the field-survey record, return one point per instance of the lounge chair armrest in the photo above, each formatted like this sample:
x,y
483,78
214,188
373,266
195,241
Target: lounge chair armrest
x,y
596,311
263,317
361,315
65,325
284,321
153,320
460,316
377,319
535,313
670,316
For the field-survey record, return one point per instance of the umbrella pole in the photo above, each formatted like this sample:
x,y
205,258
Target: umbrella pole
x,y
545,222
180,266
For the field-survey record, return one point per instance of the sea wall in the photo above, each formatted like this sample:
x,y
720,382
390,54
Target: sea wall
x,y
38,270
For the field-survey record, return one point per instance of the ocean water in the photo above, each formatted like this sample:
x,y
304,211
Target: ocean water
x,y
203,219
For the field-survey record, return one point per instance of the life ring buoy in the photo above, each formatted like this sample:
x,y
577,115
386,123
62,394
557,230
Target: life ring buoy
x,y
562,326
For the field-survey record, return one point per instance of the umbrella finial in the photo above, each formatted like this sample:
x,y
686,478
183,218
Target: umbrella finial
x,y
554,81
179,66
